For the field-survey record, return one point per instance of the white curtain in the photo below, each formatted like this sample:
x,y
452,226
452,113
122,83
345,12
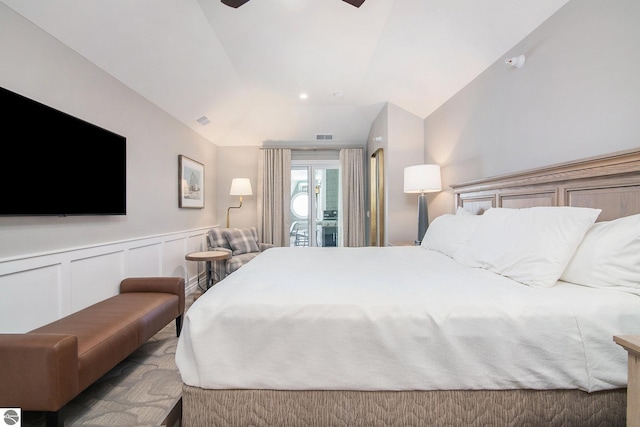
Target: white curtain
x,y
352,182
274,195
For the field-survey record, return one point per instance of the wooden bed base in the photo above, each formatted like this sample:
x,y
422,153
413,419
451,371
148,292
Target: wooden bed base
x,y
610,182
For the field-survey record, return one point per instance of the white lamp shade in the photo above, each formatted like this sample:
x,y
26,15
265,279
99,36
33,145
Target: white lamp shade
x,y
240,187
422,179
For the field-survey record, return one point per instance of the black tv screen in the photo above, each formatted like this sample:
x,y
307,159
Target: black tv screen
x,y
56,164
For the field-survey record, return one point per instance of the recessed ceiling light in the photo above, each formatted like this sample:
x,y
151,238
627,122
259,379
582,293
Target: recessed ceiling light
x,y
338,94
303,96
204,120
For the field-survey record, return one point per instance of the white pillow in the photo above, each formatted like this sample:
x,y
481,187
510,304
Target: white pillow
x,y
532,245
462,211
609,256
448,234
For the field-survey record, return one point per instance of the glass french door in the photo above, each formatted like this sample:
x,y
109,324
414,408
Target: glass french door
x,y
315,199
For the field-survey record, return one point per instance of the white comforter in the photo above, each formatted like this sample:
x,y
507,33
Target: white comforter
x,y
399,318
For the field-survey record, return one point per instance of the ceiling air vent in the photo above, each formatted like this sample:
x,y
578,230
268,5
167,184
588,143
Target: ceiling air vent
x,y
324,137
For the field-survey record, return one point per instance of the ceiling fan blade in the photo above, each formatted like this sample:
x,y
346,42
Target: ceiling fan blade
x,y
237,3
356,3
234,3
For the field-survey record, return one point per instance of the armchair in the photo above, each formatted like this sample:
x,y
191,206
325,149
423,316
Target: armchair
x,y
241,243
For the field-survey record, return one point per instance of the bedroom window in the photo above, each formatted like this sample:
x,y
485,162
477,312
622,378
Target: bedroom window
x,y
315,196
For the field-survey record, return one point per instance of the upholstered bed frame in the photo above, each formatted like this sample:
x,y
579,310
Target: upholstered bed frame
x,y
610,182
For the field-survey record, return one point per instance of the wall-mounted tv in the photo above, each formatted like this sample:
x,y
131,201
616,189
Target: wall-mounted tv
x,y
57,164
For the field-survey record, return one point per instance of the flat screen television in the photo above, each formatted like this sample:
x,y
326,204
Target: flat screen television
x,y
57,164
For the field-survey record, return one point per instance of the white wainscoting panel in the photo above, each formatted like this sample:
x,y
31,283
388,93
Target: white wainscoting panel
x,y
145,261
95,278
194,244
173,261
36,289
31,296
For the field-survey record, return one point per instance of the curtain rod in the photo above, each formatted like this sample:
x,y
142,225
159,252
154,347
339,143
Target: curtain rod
x,y
307,148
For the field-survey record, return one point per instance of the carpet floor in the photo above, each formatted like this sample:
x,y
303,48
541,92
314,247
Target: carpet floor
x,y
143,390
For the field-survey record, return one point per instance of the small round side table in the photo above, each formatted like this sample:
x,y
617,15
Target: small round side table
x,y
207,256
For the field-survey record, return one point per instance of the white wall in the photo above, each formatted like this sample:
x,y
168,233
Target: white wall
x,y
237,162
36,65
406,133
578,95
50,266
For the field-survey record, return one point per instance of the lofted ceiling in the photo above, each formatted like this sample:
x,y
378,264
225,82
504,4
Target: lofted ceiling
x,y
245,68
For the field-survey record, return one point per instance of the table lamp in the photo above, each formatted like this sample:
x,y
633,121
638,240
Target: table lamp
x,y
422,179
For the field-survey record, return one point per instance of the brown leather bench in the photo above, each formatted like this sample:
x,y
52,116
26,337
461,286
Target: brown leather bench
x,y
44,369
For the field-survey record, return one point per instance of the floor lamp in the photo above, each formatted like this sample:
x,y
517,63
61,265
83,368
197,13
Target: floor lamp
x,y
422,179
239,187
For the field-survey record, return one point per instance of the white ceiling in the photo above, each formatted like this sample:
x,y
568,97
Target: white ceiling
x,y
245,68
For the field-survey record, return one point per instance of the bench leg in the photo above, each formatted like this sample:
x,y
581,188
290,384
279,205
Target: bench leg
x,y
53,419
178,325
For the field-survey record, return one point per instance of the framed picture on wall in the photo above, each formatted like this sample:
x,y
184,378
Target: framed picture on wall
x,y
191,183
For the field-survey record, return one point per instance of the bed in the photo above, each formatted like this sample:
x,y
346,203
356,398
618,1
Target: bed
x,y
452,332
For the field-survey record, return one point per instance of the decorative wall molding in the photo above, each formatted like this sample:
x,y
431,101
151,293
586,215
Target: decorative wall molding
x,y
36,289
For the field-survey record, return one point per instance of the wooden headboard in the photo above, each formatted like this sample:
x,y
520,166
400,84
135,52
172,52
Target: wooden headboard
x,y
610,182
